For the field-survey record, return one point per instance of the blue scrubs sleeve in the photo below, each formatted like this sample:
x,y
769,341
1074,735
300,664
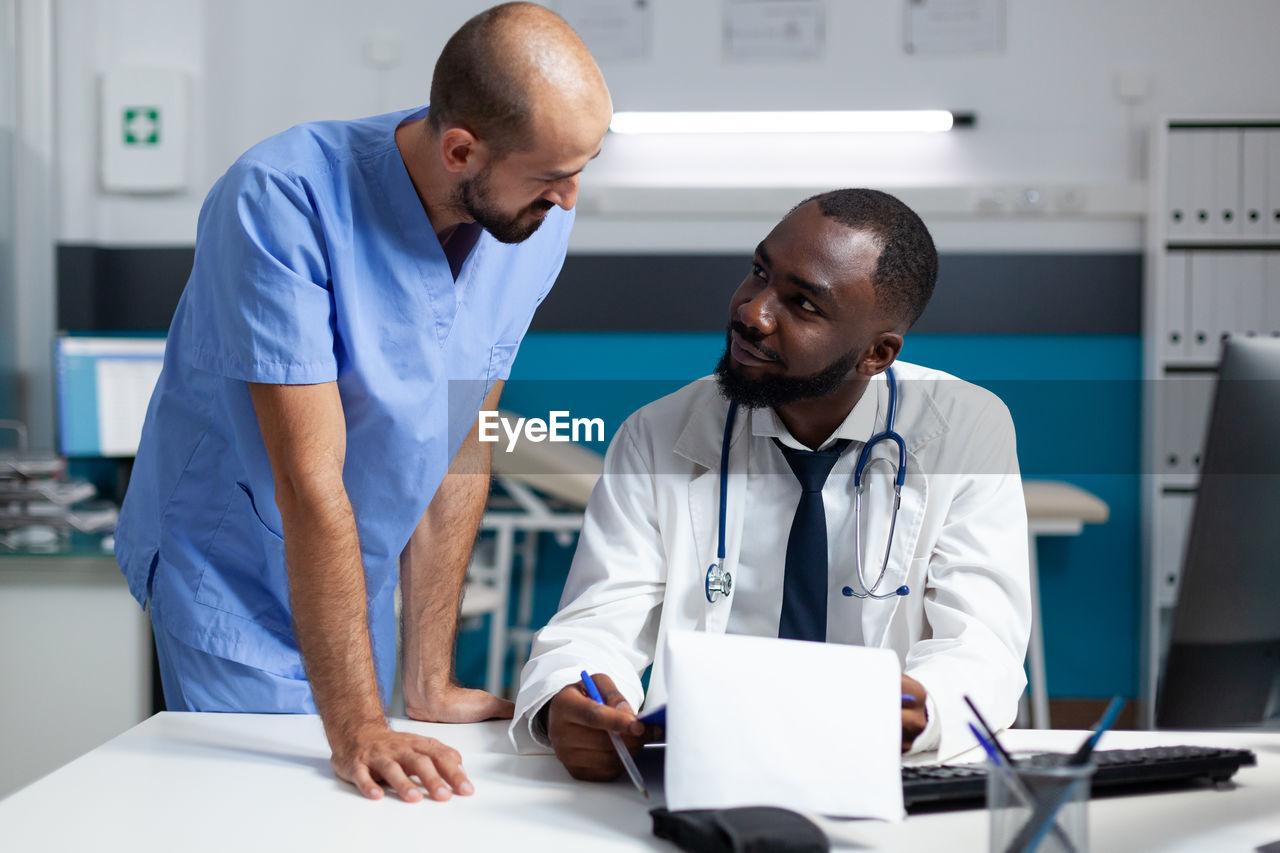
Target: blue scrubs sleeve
x,y
263,307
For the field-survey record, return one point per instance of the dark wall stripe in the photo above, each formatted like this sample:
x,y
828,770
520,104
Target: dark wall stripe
x,y
979,293
1221,125
124,289
1045,294
120,290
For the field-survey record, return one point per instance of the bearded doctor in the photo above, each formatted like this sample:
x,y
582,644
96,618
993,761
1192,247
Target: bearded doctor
x,y
810,377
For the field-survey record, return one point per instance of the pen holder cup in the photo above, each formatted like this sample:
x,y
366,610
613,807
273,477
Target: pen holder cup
x,y
1044,809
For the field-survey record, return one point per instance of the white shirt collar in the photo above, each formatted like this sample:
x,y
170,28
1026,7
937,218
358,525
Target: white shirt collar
x,y
857,425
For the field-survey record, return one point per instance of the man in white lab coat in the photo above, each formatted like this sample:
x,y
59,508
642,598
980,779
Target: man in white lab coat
x,y
813,331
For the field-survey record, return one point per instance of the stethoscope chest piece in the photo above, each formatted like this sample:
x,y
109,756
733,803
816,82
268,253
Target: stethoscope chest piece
x,y
719,582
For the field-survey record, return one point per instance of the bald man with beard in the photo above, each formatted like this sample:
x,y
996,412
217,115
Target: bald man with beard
x,y
358,293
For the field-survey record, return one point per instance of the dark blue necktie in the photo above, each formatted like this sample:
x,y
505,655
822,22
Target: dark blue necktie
x,y
804,587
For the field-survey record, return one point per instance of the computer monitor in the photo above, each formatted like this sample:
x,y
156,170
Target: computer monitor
x,y
103,387
1223,665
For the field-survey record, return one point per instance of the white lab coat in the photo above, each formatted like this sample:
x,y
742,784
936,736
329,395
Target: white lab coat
x,y
650,534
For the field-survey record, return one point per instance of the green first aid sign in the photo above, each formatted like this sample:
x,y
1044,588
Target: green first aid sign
x,y
141,125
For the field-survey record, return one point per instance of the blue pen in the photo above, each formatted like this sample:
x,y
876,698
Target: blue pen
x,y
907,697
1107,721
621,748
987,747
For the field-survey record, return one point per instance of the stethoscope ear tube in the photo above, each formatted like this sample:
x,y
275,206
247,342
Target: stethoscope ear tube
x,y
720,582
848,592
864,462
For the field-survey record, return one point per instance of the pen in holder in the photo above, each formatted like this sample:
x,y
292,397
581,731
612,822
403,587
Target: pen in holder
x,y
1041,805
1041,808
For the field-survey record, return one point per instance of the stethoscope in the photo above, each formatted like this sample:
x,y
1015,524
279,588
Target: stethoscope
x,y
720,582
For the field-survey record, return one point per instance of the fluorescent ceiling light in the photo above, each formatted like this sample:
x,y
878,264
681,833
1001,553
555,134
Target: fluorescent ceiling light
x,y
789,121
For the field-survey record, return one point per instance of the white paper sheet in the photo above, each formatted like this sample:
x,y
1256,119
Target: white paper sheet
x,y
812,727
125,385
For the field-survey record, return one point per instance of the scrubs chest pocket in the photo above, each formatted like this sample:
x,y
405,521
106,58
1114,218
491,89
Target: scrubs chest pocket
x,y
467,396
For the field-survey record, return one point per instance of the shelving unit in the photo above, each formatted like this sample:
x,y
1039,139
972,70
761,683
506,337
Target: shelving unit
x,y
1212,270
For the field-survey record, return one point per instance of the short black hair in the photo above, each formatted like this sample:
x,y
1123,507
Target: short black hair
x,y
475,86
908,266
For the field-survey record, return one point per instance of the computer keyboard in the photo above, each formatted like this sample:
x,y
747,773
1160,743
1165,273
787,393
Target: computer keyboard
x,y
929,787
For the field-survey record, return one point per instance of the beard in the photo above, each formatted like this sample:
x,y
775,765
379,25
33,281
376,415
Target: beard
x,y
773,391
474,197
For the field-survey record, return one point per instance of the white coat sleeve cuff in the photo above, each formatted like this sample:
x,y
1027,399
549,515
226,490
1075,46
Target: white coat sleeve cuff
x,y
932,734
538,727
526,734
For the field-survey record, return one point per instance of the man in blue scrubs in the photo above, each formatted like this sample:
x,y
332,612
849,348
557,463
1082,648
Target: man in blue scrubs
x,y
358,293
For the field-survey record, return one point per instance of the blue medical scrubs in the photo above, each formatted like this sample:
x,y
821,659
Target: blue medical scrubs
x,y
315,262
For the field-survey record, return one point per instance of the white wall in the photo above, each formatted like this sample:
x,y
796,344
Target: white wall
x,y
8,110
1048,114
30,193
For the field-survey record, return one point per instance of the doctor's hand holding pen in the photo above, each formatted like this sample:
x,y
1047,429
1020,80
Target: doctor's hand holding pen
x,y
914,717
580,729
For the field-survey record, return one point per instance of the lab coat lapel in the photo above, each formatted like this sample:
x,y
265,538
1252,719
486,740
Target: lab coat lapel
x,y
700,442
918,422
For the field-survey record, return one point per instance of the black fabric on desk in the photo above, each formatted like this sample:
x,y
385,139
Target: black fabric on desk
x,y
755,829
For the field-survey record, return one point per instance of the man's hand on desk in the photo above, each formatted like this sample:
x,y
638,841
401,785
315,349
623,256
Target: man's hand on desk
x,y
454,704
914,717
578,729
374,755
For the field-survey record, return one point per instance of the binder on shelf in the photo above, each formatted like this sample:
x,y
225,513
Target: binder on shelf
x,y
1205,305
1227,291
1184,400
1254,182
1173,521
1271,294
1178,209
1272,212
1203,195
1226,182
1170,459
1250,280
1197,400
1174,344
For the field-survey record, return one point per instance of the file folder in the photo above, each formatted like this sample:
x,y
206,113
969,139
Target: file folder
x,y
1254,178
1178,210
1175,345
1173,522
1203,195
1226,182
1203,317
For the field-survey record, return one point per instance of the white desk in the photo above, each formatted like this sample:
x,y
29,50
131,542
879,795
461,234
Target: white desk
x,y
196,782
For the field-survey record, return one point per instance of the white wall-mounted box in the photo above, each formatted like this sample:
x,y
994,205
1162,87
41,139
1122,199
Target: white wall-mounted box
x,y
143,122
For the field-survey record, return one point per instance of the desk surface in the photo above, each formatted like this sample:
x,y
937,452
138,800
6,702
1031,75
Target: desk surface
x,y
223,782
